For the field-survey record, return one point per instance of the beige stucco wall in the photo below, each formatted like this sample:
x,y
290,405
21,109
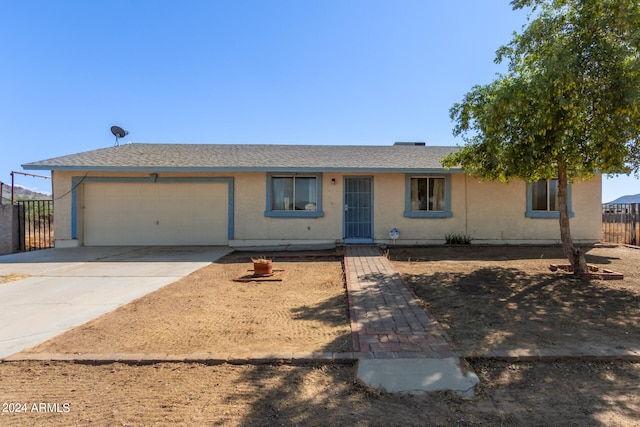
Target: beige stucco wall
x,y
252,227
61,187
489,212
496,213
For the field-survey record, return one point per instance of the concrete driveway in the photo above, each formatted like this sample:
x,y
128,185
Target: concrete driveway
x,y
68,287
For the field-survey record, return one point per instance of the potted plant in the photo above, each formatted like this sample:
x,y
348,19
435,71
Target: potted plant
x,y
262,266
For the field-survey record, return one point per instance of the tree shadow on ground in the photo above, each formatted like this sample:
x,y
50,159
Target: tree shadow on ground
x,y
564,393
329,396
333,311
281,256
487,253
498,308
561,393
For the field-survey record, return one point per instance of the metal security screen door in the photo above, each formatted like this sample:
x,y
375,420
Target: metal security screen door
x,y
358,210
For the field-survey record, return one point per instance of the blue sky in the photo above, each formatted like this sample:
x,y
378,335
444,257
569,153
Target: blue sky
x,y
364,72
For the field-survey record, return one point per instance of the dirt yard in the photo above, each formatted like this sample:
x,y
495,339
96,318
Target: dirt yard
x,y
209,312
585,394
506,298
510,296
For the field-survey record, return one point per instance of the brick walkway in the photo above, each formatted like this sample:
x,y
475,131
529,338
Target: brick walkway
x,y
387,320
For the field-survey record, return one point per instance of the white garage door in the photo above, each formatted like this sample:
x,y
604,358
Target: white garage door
x,y
155,214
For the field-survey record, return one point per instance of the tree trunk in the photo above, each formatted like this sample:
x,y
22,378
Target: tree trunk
x,y
574,254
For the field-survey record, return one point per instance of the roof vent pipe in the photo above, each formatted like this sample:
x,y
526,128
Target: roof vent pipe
x,y
416,144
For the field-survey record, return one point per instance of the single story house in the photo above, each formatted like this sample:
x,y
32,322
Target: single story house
x,y
281,195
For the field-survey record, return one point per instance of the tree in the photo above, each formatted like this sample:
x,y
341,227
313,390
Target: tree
x,y
568,107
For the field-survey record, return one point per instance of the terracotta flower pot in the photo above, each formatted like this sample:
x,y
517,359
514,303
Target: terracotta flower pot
x,y
263,268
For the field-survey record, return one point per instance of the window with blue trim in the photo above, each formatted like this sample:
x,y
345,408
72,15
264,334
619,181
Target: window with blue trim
x,y
542,199
294,195
428,196
544,195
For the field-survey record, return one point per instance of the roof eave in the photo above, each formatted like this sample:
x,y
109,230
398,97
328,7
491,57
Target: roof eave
x,y
238,169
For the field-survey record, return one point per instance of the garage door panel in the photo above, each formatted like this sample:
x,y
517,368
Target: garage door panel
x,y
155,214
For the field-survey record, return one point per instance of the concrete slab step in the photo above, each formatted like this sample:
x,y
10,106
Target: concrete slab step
x,y
417,376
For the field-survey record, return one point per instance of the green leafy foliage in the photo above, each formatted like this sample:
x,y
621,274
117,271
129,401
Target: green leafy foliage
x,y
569,106
571,96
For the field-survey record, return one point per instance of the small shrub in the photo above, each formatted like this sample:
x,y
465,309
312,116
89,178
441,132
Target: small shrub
x,y
458,239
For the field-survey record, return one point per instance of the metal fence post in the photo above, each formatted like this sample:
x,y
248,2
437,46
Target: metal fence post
x,y
634,218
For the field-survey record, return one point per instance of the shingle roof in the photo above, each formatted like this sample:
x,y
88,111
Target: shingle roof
x,y
250,157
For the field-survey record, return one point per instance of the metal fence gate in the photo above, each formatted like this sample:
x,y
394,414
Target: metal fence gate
x,y
621,223
35,224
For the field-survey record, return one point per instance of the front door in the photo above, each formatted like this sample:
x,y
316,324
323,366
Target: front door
x,y
358,209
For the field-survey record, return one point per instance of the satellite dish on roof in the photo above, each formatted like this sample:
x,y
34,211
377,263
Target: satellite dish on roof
x,y
118,132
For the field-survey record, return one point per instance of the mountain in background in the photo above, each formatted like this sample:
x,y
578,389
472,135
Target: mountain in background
x,y
627,199
21,193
